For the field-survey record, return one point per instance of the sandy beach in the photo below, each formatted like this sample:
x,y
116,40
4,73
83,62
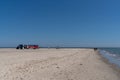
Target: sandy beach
x,y
54,64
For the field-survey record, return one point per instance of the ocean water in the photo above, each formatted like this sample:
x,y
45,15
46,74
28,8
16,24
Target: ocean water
x,y
112,54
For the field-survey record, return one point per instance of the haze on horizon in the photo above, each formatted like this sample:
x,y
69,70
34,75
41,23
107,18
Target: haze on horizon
x,y
66,23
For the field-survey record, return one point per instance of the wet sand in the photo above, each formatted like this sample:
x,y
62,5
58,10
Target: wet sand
x,y
54,64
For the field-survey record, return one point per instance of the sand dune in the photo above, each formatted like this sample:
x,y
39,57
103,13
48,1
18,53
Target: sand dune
x,y
54,64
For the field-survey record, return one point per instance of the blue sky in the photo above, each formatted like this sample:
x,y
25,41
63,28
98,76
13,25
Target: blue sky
x,y
72,23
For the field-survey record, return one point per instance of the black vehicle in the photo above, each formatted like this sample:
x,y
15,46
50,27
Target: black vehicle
x,y
19,46
95,49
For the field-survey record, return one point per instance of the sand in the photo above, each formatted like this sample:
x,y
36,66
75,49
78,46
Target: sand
x,y
54,64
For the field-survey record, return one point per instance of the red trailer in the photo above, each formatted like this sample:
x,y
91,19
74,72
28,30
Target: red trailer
x,y
32,46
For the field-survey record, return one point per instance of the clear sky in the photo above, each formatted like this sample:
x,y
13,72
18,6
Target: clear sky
x,y
72,23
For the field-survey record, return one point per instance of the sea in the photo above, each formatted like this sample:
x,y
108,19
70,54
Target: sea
x,y
111,54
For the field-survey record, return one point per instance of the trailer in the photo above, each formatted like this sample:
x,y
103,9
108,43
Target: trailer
x,y
32,47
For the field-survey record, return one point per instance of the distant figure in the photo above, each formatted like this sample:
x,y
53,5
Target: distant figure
x,y
95,49
25,47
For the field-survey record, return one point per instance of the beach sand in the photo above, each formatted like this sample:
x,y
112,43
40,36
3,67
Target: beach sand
x,y
54,64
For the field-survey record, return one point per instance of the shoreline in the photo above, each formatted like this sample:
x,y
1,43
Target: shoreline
x,y
112,65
